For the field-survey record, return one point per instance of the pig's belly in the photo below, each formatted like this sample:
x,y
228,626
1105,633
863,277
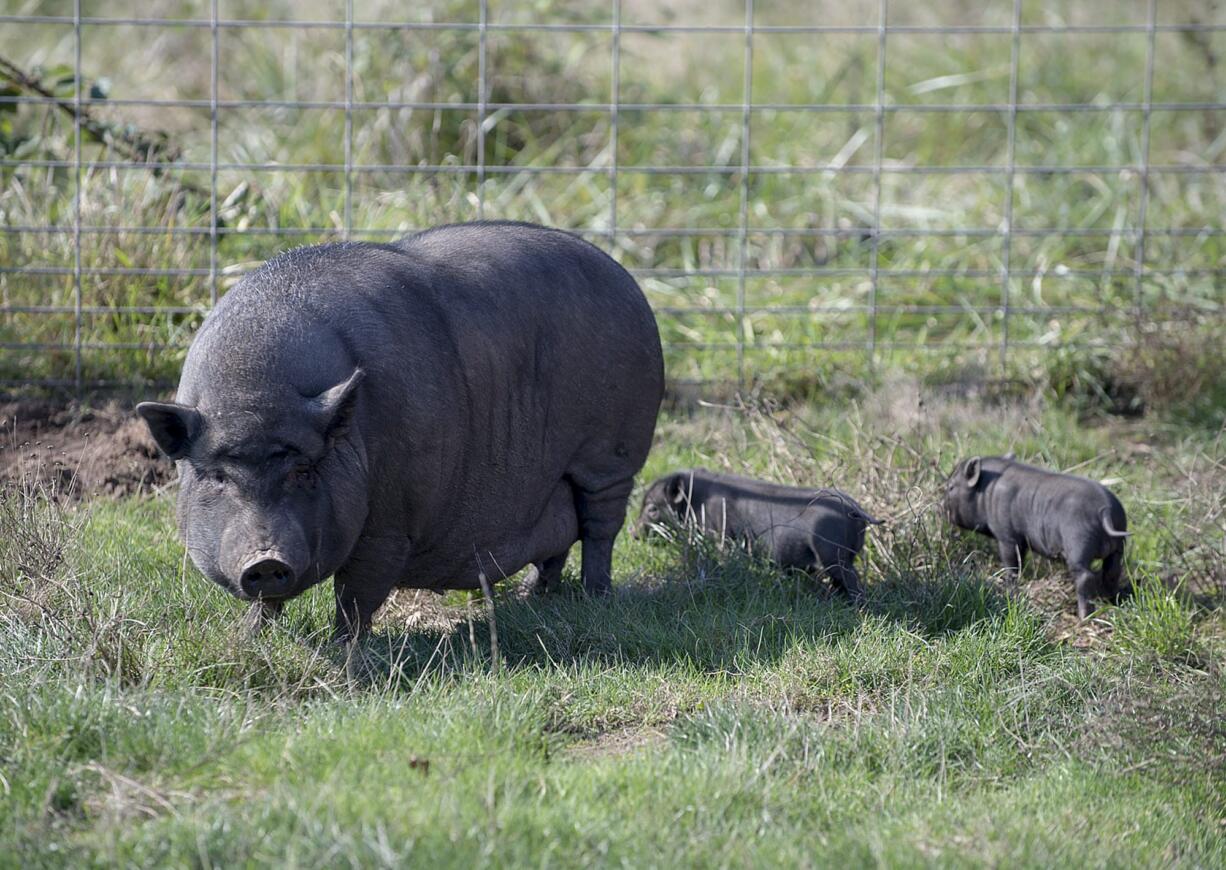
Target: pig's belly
x,y
504,552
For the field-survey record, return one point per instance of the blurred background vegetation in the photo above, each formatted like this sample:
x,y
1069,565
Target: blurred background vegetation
x,y
1082,323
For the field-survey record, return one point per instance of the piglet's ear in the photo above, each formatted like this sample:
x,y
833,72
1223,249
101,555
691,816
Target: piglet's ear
x,y
972,471
173,426
333,408
677,489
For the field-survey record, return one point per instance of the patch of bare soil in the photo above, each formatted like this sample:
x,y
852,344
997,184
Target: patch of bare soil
x,y
421,610
1053,594
613,744
79,451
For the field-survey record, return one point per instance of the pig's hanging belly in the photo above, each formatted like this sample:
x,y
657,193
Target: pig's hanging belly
x,y
458,561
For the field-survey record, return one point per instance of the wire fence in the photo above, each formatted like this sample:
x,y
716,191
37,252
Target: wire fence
x,y
794,196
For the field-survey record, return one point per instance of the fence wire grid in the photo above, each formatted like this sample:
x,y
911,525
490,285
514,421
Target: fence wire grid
x,y
798,187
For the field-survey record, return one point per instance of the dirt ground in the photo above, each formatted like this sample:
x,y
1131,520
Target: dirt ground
x,y
79,451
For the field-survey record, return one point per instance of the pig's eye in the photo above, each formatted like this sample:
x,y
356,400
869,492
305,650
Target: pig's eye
x,y
300,474
216,476
278,454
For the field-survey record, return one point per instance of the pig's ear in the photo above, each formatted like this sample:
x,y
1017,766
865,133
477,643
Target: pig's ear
x,y
174,427
972,471
675,489
333,408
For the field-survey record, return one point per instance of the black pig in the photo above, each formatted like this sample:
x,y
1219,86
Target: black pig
x,y
813,530
1060,516
464,402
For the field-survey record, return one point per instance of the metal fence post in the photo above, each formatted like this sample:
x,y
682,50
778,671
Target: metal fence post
x,y
743,222
1151,25
1006,242
883,14
614,118
215,63
482,97
77,300
348,229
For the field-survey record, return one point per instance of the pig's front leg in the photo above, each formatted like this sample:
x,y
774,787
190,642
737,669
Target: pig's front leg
x,y
362,585
1012,554
258,615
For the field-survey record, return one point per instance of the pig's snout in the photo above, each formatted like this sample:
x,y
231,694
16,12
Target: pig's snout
x,y
267,577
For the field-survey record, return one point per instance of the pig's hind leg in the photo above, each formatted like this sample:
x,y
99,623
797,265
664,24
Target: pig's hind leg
x,y
1085,578
551,539
1113,573
837,564
546,574
601,477
601,512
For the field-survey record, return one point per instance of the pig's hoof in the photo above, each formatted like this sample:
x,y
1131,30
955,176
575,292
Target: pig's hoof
x,y
534,582
250,625
357,662
258,615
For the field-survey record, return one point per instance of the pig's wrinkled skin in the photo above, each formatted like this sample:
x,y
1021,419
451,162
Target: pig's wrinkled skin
x,y
818,531
470,400
1060,516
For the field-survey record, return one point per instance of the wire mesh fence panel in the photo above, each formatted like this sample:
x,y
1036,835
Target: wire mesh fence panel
x,y
801,188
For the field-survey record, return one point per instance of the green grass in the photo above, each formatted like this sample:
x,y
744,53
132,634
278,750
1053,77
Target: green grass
x,y
711,712
1082,267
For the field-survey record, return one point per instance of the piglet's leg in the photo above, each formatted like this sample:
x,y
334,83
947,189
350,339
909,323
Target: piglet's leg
x,y
1087,588
1113,573
845,577
1012,554
1079,556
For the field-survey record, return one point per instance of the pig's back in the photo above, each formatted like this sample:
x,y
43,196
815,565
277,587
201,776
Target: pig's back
x,y
1046,506
556,375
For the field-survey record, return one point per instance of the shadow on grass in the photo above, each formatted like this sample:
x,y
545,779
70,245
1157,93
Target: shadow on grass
x,y
713,612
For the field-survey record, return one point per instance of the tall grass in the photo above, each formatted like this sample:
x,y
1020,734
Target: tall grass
x,y
1085,263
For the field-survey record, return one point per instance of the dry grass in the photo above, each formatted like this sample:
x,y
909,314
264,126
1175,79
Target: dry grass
x,y
711,707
